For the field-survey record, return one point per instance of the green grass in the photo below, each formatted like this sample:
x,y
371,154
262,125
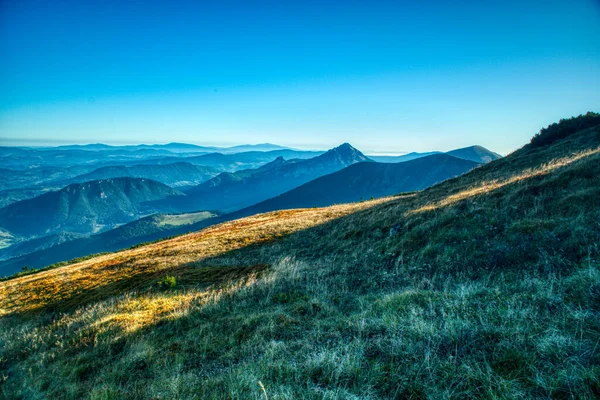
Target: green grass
x,y
490,289
184,219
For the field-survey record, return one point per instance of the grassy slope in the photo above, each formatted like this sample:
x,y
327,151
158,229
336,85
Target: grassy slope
x,y
490,289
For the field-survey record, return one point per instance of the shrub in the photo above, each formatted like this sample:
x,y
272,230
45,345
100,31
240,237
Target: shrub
x,y
564,128
168,282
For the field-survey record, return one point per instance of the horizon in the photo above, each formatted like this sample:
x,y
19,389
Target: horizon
x,y
217,148
396,77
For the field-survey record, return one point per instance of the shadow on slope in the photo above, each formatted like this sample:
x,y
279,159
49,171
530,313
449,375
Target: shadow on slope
x,y
429,227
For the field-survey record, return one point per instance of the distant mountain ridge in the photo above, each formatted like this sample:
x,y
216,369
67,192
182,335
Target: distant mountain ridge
x,y
236,161
175,175
475,153
173,147
229,192
365,180
83,207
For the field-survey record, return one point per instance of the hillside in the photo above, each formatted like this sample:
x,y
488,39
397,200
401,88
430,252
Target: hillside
x,y
174,175
367,180
83,207
484,286
230,192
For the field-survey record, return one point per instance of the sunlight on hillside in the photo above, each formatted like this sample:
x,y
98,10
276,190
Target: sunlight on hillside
x,y
134,311
138,269
487,187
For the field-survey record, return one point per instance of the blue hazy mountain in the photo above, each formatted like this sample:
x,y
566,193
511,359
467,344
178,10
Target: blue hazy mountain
x,y
477,154
367,180
232,191
83,207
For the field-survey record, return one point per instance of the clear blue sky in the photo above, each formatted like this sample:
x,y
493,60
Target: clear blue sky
x,y
388,76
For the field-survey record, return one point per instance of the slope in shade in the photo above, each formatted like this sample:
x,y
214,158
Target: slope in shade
x,y
477,154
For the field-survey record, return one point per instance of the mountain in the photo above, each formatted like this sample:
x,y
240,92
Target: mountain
x,y
83,207
173,147
367,180
475,153
25,158
483,286
230,192
90,147
253,147
36,253
180,147
175,175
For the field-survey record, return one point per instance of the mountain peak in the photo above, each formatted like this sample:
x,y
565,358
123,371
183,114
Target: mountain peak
x,y
345,146
475,153
346,154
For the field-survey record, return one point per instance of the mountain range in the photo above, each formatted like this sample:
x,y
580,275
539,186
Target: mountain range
x,y
53,219
366,180
229,192
360,180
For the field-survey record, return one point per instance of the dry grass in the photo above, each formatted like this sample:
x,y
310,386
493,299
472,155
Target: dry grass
x,y
98,278
487,187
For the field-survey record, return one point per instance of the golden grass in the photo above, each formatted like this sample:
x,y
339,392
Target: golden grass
x,y
489,186
139,268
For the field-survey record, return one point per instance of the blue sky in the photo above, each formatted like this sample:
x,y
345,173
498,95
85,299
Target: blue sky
x,y
386,76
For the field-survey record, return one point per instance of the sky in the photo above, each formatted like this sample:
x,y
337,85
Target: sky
x,y
386,76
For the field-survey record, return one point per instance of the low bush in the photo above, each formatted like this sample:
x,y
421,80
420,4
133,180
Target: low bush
x,y
168,282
